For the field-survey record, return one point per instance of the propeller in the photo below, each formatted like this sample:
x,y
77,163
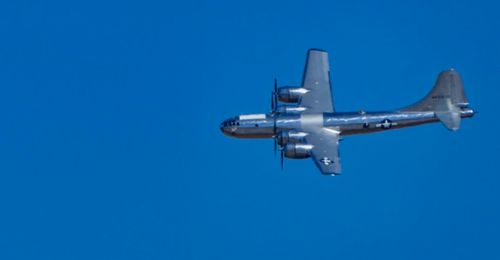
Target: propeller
x,y
274,107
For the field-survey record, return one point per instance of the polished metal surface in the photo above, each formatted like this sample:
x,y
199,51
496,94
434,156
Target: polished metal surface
x,y
291,94
311,127
298,150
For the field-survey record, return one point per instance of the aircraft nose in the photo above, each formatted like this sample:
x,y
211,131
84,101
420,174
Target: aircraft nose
x,y
224,128
230,126
227,128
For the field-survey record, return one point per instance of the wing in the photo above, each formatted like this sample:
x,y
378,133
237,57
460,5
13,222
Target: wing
x,y
316,80
325,151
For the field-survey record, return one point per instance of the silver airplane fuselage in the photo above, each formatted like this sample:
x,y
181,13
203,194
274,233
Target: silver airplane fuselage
x,y
349,123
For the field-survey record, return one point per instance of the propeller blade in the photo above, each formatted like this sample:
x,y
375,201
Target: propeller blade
x,y
282,151
275,135
272,102
275,96
275,146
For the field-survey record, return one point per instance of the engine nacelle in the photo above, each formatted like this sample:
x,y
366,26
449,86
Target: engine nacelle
x,y
290,137
290,94
291,109
297,151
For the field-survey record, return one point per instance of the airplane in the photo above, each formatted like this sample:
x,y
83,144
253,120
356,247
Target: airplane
x,y
308,126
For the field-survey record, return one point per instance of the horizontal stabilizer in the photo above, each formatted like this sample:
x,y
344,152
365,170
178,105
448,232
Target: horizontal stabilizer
x,y
450,120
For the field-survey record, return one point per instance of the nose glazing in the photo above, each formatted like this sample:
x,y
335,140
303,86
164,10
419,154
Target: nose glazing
x,y
228,127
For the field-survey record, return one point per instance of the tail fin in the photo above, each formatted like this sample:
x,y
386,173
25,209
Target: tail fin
x,y
446,99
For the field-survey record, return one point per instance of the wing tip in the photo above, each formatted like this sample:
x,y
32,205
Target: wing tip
x,y
332,174
316,50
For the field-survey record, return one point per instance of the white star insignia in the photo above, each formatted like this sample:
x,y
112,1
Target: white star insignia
x,y
326,161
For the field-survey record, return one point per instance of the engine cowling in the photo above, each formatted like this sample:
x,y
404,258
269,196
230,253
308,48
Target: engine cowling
x,y
298,151
290,94
291,109
290,137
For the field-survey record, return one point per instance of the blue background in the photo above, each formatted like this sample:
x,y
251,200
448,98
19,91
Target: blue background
x,y
110,146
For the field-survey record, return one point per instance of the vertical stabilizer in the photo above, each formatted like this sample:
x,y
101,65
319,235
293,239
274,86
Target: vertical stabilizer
x,y
446,99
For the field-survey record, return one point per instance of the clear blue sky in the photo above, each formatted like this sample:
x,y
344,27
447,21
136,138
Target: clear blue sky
x,y
110,146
